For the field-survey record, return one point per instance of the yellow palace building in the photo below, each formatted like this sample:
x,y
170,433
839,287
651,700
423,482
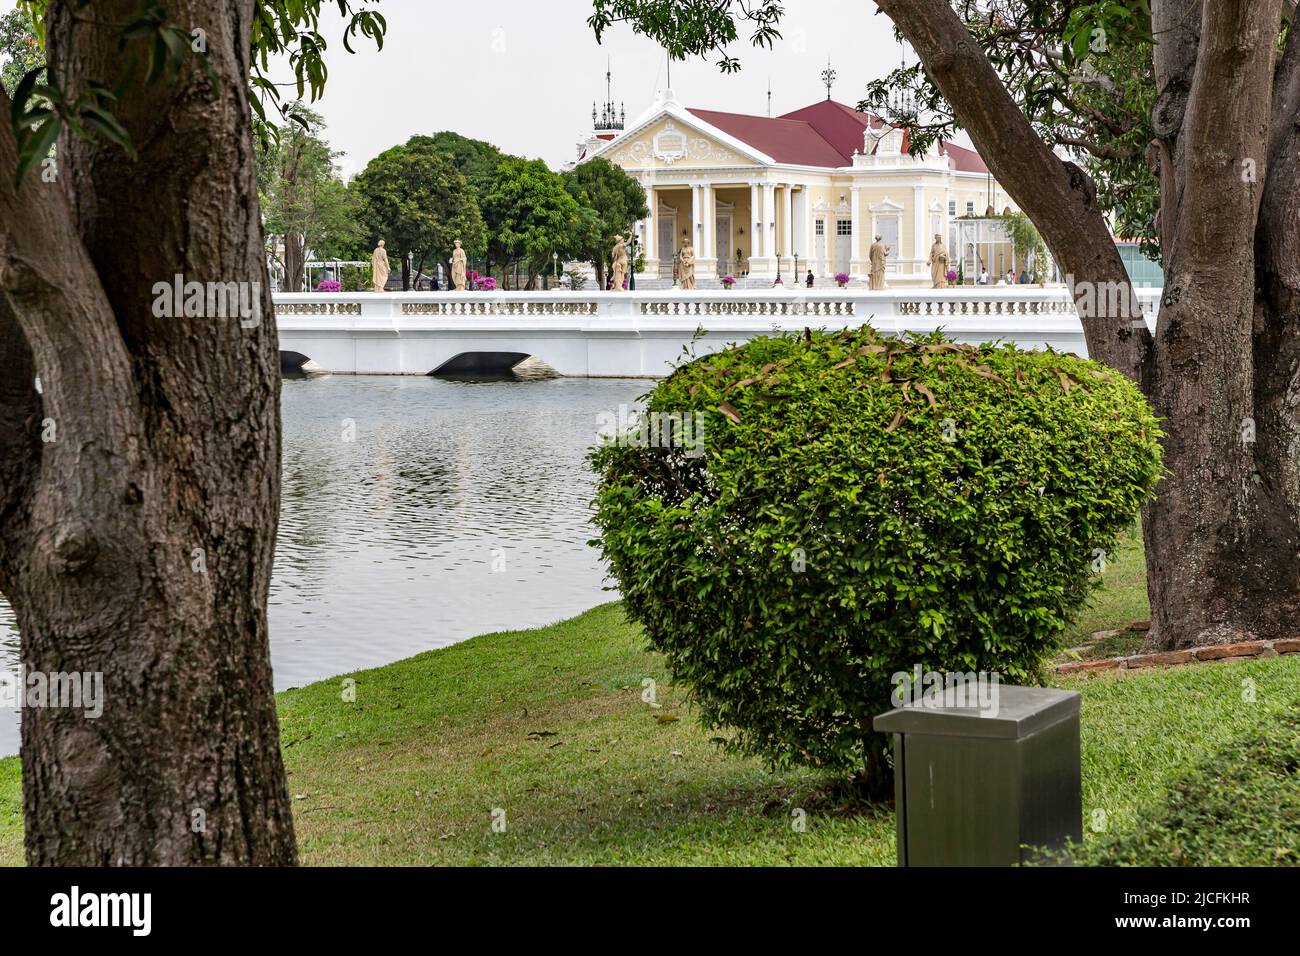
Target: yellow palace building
x,y
765,196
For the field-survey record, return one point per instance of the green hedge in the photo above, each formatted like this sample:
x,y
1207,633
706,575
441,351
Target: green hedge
x,y
863,505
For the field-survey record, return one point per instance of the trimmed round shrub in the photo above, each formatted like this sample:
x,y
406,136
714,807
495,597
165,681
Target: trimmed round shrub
x,y
802,517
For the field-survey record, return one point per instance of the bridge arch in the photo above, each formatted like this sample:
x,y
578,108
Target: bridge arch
x,y
295,363
480,363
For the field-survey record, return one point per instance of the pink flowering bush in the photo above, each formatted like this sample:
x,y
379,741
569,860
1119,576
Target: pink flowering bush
x,y
329,285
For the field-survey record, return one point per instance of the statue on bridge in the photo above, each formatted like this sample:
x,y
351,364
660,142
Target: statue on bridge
x,y
686,266
619,270
379,268
939,263
458,266
879,252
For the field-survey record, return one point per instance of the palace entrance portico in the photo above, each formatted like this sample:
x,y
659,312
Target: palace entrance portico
x,y
736,228
760,197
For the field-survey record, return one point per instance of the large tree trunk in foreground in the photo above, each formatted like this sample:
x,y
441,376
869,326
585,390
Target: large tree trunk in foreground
x,y
1223,533
1222,536
139,542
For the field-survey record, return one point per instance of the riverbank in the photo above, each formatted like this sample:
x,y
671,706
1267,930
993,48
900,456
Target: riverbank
x,y
552,727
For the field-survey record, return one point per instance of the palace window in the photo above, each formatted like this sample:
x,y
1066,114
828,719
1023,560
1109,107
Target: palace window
x,y
844,227
970,207
821,227
952,208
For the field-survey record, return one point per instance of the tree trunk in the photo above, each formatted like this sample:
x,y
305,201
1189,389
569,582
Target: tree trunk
x,y
1222,539
138,542
294,262
1223,536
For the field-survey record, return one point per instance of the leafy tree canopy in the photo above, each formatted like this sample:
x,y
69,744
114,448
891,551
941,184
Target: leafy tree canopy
x,y
417,200
20,49
477,160
530,214
616,202
303,198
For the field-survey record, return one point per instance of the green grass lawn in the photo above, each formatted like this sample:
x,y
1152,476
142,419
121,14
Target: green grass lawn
x,y
550,726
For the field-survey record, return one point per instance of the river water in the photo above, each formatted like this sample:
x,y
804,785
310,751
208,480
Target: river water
x,y
418,512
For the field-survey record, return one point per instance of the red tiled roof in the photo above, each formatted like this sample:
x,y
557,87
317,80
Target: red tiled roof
x,y
963,160
826,134
785,140
842,126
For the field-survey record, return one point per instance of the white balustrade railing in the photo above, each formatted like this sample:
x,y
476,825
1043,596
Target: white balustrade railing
x,y
958,301
633,333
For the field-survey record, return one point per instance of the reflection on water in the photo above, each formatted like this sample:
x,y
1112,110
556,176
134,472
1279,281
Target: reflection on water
x,y
418,512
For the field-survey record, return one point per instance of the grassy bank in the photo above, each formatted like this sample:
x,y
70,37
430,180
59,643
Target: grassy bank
x,y
550,726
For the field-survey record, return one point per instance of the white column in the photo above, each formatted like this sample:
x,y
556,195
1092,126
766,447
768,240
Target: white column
x,y
651,232
765,265
856,268
923,239
787,228
707,255
801,231
692,228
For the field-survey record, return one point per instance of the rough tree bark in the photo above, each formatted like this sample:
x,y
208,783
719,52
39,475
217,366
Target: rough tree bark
x,y
1224,368
295,261
138,543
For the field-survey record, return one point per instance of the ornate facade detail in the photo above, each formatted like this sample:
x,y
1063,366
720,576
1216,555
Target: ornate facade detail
x,y
670,144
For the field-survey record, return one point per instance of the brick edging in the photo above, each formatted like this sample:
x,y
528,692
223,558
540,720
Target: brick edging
x,y
1215,652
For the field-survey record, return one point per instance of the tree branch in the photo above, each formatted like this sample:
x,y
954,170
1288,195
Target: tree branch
x,y
1057,196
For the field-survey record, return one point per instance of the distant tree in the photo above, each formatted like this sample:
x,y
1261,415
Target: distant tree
x,y
416,199
476,159
616,199
304,201
530,216
20,50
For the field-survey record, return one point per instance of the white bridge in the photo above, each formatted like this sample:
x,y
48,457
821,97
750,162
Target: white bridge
x,y
640,334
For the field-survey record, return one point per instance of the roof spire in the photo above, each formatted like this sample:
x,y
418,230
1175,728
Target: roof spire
x,y
609,118
828,77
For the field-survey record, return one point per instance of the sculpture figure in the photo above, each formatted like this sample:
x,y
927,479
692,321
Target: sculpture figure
x,y
686,266
379,268
939,263
619,265
458,266
879,252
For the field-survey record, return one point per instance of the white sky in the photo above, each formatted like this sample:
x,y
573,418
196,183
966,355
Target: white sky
x,y
523,73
